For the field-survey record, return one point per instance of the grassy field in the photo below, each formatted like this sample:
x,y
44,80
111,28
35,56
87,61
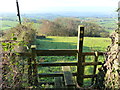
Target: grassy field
x,y
91,44
109,23
8,24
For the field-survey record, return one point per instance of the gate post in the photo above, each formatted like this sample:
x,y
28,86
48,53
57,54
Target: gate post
x,y
80,57
35,76
30,81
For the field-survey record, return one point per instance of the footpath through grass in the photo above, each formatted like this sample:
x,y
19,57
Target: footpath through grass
x,y
91,44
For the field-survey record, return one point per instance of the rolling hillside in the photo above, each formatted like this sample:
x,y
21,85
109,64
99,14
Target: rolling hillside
x,y
109,23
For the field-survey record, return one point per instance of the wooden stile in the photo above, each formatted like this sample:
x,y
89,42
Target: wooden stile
x,y
65,65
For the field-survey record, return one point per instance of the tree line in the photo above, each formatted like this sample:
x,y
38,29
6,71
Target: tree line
x,y
66,26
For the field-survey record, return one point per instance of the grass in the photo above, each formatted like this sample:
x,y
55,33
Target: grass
x,y
8,24
91,44
108,23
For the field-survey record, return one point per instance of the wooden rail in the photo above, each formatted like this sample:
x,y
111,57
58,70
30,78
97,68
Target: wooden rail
x,y
63,52
48,53
46,64
61,75
57,52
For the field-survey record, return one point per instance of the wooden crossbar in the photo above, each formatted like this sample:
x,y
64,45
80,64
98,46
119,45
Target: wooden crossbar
x,y
57,52
63,52
46,64
50,83
61,75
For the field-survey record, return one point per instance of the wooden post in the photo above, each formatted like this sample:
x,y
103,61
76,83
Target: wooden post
x,y
18,11
80,57
35,76
30,71
95,66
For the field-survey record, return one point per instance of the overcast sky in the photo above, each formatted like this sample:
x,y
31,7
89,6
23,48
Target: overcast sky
x,y
27,6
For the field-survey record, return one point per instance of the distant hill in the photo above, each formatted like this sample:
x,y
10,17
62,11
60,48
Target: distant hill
x,y
105,20
68,13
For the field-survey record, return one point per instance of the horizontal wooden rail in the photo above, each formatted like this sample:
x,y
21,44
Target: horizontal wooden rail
x,y
63,52
61,75
66,52
92,53
46,64
90,76
49,83
91,63
50,75
57,52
